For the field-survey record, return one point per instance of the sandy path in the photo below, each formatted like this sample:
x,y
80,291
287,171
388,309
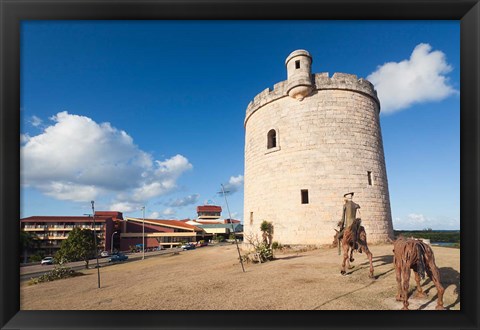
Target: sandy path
x,y
211,278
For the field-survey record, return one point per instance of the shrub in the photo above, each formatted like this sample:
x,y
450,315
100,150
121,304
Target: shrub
x,y
261,252
35,258
276,246
57,273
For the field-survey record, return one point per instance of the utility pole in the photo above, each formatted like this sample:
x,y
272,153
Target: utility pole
x,y
95,239
233,228
143,233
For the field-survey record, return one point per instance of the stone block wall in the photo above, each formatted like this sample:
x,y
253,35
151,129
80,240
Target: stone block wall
x,y
326,144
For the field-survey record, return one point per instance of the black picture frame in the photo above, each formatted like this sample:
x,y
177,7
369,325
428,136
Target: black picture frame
x,y
13,12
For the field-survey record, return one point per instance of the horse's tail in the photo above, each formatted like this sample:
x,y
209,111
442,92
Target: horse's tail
x,y
421,259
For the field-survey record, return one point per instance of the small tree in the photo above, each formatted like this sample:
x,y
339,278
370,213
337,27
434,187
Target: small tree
x,y
80,245
28,242
267,233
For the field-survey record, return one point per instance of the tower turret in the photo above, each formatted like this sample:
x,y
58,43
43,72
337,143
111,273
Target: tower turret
x,y
299,66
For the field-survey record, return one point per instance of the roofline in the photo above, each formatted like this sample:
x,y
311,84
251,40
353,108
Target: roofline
x,y
149,221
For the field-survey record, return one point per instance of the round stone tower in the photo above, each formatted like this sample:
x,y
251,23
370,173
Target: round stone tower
x,y
308,141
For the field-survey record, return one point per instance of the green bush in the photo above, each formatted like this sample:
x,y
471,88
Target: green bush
x,y
276,246
35,258
265,253
57,273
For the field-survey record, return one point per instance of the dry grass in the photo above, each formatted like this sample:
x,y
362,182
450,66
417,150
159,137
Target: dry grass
x,y
211,278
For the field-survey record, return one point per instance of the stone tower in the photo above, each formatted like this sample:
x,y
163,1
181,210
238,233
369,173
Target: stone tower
x,y
308,141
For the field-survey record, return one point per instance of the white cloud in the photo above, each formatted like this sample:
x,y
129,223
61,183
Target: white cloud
x,y
416,218
154,215
187,200
234,184
24,138
417,221
422,78
125,206
77,159
169,211
35,121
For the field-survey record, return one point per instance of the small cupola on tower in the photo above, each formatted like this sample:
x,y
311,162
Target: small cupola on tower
x,y
299,67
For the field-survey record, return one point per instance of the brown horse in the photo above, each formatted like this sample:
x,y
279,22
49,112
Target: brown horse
x,y
418,256
355,238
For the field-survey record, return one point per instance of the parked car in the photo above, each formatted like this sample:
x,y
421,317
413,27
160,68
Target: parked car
x,y
118,257
47,261
188,246
104,254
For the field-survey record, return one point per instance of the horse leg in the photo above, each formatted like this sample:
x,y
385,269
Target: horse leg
x,y
435,276
351,255
398,276
362,243
405,285
345,257
364,248
420,293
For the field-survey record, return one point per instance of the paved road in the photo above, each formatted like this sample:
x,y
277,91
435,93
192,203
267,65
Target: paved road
x,y
27,272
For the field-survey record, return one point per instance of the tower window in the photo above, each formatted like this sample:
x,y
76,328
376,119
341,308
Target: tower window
x,y
297,64
251,218
304,193
370,178
272,139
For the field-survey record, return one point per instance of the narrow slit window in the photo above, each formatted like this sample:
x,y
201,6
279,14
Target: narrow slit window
x,y
251,218
297,64
304,193
272,139
370,178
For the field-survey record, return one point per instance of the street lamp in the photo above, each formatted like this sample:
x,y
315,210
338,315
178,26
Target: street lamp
x,y
95,238
143,233
111,249
233,228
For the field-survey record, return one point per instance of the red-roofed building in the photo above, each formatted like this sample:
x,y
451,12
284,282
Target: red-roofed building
x,y
163,233
53,230
208,212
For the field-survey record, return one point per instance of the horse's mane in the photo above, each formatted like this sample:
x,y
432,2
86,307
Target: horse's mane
x,y
414,250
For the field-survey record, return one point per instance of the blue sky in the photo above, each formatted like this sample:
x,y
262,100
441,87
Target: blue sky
x,y
132,113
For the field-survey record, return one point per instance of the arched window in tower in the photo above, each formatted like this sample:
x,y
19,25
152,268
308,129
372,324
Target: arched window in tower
x,y
271,139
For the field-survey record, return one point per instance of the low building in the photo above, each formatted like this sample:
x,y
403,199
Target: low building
x,y
158,233
223,229
116,233
209,219
51,231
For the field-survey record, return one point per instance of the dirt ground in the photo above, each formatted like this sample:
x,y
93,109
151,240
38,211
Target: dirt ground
x,y
211,278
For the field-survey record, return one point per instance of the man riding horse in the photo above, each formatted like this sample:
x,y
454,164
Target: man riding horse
x,y
352,236
349,214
